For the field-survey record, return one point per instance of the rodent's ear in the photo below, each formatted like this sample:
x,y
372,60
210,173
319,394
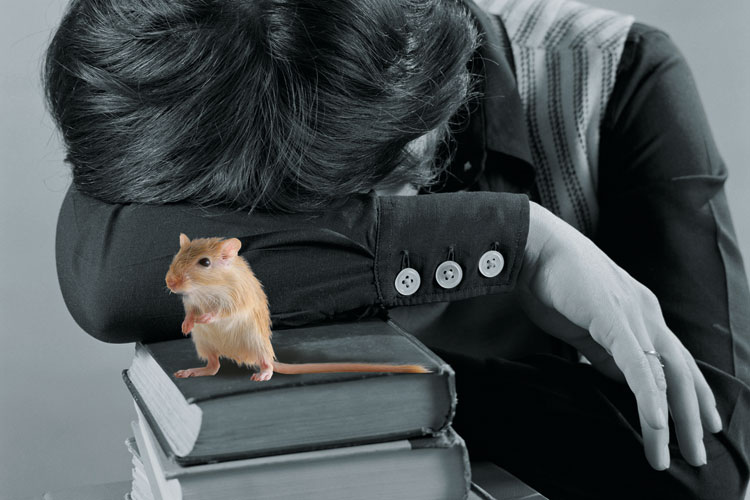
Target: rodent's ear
x,y
184,240
230,248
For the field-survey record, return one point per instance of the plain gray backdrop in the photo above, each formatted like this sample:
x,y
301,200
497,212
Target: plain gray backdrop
x,y
64,411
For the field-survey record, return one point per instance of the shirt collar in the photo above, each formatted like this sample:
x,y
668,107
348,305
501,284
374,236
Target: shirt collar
x,y
496,121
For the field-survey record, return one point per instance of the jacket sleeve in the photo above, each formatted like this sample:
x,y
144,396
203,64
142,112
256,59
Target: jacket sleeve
x,y
665,219
112,259
664,213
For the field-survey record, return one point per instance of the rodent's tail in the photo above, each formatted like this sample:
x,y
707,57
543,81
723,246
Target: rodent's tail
x,y
294,369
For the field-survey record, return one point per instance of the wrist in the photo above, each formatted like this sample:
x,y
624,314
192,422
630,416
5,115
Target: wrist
x,y
539,234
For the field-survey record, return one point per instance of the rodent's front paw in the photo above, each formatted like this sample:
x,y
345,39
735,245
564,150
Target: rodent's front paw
x,y
187,327
205,318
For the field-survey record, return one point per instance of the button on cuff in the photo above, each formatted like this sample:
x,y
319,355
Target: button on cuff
x,y
428,225
491,263
408,281
449,274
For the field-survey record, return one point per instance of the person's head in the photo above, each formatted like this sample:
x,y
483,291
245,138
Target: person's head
x,y
282,104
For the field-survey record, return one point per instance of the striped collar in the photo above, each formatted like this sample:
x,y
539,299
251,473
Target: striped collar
x,y
495,135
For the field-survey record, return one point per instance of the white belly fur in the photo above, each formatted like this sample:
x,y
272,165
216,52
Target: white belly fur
x,y
232,338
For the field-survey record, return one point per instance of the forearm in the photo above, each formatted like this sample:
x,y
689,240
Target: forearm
x,y
112,259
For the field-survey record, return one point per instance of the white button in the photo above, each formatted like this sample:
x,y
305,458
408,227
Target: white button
x,y
491,263
408,281
449,274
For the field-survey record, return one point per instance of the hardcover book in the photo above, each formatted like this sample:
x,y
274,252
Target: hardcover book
x,y
489,482
141,485
426,468
228,416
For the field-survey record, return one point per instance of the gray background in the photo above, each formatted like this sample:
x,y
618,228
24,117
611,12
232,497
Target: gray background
x,y
64,412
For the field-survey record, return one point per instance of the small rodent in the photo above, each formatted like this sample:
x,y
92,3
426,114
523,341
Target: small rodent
x,y
227,311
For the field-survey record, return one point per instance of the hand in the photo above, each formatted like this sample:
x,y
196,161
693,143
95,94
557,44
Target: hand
x,y
191,319
188,324
579,295
205,318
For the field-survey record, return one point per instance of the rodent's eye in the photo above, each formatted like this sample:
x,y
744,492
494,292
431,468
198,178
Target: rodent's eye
x,y
204,262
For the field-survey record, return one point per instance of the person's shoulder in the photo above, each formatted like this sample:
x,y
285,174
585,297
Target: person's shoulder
x,y
644,33
647,47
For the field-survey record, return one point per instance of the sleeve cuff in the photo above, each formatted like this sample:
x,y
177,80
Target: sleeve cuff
x,y
444,240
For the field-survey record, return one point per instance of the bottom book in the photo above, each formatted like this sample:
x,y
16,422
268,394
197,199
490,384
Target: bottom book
x,y
430,468
140,486
153,483
490,482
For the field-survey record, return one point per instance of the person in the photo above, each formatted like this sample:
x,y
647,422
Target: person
x,y
372,157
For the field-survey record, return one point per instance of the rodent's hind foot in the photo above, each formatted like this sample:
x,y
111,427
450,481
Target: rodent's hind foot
x,y
262,376
203,371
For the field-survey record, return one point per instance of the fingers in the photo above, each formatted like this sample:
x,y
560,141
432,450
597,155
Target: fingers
x,y
628,354
684,405
709,414
677,384
655,444
205,318
570,275
187,326
656,441
689,398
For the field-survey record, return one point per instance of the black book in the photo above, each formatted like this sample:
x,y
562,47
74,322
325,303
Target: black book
x,y
228,416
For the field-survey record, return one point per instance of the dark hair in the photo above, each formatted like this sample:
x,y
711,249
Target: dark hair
x,y
281,104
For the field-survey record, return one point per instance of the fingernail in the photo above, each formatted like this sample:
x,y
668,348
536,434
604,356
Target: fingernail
x,y
702,460
717,425
664,458
661,421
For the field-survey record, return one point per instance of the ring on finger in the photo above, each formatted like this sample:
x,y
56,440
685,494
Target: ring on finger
x,y
656,355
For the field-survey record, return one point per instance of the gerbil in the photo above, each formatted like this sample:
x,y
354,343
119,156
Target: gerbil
x,y
227,311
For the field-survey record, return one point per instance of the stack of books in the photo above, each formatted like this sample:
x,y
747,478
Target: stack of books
x,y
333,436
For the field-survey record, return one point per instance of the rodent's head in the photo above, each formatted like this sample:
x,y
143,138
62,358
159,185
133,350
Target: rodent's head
x,y
201,262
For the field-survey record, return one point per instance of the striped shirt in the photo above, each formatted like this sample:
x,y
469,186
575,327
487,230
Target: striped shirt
x,y
566,56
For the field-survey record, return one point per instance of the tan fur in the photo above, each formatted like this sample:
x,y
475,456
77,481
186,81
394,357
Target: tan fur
x,y
240,326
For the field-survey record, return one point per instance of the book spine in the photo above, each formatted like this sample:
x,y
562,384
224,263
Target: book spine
x,y
449,439
443,369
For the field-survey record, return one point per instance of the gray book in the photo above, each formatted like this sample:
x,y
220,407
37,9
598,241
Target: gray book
x,y
141,485
229,416
432,468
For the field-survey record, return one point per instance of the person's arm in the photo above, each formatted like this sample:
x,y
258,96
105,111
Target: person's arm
x,y
664,218
573,290
665,223
112,259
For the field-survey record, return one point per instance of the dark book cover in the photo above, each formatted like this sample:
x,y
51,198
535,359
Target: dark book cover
x,y
229,416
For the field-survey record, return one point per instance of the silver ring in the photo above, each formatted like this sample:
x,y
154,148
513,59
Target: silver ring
x,y
656,355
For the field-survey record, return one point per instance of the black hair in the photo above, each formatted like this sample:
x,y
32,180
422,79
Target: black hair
x,y
279,104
